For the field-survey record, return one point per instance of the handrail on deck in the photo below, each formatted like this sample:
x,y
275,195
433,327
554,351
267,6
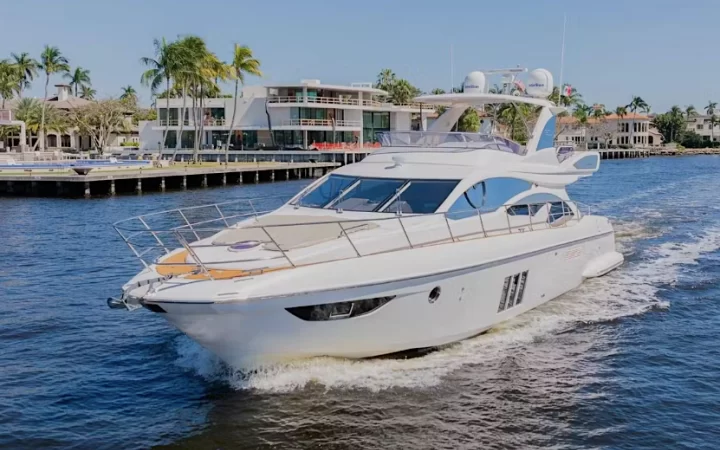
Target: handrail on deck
x,y
199,230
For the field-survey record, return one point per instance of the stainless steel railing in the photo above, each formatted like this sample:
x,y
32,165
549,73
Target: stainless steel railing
x,y
151,237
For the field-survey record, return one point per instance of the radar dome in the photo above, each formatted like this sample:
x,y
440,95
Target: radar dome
x,y
474,83
540,83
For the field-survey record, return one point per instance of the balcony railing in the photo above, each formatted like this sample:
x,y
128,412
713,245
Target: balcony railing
x,y
318,100
212,122
321,123
342,101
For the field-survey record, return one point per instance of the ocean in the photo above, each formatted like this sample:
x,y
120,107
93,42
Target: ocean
x,y
627,361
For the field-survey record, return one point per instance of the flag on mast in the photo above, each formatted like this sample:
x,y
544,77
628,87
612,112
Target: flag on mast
x,y
567,90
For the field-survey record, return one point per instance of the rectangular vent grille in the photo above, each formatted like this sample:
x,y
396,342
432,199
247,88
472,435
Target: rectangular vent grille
x,y
513,291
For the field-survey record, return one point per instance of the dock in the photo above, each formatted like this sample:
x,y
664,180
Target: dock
x,y
137,181
620,153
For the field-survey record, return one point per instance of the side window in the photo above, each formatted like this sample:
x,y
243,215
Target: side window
x,y
422,197
500,190
487,196
468,203
532,204
558,210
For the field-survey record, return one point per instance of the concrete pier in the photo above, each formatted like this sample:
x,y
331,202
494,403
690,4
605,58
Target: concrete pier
x,y
100,183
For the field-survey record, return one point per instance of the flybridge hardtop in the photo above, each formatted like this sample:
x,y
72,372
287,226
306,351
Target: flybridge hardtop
x,y
436,237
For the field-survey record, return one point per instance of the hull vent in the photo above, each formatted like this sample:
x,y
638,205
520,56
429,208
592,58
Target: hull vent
x,y
513,291
335,311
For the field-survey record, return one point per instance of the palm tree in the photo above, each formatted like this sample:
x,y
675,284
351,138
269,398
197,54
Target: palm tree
x,y
690,112
27,67
29,111
714,120
401,92
385,80
51,62
10,81
575,98
242,63
637,103
79,78
210,71
676,114
129,94
710,110
620,112
162,68
87,93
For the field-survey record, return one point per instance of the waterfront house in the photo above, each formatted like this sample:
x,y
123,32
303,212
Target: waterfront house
x,y
71,140
700,124
302,115
631,130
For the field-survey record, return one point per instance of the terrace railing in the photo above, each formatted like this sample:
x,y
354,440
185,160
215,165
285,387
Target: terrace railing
x,y
211,122
321,123
348,101
151,237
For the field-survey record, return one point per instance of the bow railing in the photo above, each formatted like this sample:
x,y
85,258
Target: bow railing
x,y
154,237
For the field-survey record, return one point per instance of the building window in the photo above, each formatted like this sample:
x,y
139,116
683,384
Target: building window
x,y
65,141
699,127
52,141
374,122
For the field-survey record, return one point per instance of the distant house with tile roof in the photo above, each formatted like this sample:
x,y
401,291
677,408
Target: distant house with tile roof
x,y
632,129
70,140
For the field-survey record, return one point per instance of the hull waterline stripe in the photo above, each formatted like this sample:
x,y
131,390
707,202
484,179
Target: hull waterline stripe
x,y
482,266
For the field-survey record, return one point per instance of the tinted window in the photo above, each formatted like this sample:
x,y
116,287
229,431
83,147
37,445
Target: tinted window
x,y
559,210
326,192
500,190
368,195
468,203
487,196
422,197
532,204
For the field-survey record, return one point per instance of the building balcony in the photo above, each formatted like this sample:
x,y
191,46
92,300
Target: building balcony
x,y
322,101
207,122
340,101
325,123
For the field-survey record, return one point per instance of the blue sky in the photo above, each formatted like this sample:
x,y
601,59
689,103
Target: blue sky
x,y
663,50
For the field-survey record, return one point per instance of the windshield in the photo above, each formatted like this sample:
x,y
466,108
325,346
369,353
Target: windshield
x,y
326,192
378,194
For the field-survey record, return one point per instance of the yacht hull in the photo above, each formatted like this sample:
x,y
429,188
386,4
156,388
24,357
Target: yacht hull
x,y
472,299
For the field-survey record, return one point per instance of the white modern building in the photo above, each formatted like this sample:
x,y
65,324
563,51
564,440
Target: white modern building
x,y
305,115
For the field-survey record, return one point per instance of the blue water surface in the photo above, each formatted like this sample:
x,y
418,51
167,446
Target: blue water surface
x,y
628,361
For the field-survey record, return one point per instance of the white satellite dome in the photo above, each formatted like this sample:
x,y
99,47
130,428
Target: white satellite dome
x,y
474,83
540,83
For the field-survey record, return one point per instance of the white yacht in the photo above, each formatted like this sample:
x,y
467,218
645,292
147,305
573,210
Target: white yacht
x,y
435,237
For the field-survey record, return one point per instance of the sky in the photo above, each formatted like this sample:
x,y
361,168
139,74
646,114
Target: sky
x,y
665,51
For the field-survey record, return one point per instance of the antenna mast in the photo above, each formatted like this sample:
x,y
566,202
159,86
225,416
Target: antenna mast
x,y
452,70
562,59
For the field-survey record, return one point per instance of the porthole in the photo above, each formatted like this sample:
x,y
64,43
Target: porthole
x,y
434,294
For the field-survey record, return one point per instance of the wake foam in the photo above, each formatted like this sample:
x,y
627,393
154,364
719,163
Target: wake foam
x,y
631,290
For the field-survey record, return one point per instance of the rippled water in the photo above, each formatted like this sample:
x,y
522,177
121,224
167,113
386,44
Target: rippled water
x,y
631,360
